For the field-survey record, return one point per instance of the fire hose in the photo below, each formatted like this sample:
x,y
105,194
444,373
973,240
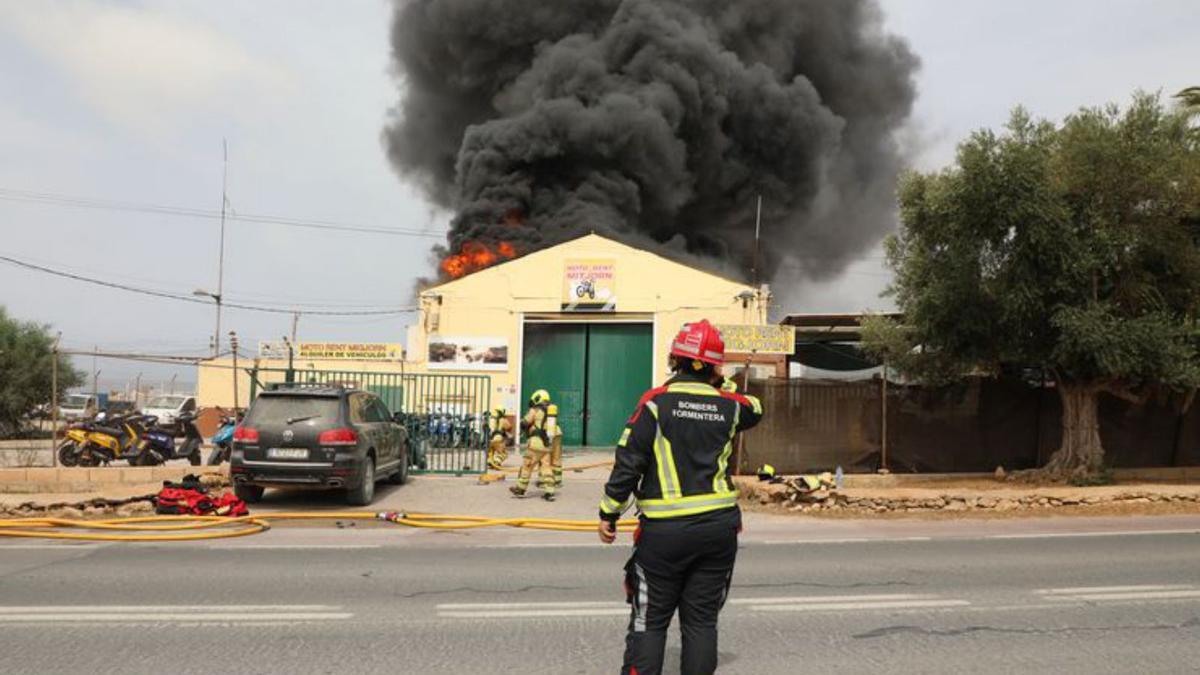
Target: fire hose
x,y
198,528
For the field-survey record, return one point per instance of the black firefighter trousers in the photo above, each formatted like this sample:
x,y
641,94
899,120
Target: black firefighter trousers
x,y
683,564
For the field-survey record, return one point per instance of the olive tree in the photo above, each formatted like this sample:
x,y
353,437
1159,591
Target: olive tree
x,y
1071,248
26,358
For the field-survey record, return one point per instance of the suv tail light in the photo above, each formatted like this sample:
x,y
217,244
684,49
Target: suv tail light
x,y
243,434
338,437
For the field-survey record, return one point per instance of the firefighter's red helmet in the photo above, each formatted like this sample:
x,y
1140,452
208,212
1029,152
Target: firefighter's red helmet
x,y
701,341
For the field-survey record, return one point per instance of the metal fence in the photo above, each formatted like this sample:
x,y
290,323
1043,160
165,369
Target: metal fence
x,y
445,415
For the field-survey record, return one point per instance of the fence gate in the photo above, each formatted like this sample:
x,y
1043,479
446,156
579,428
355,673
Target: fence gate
x,y
445,415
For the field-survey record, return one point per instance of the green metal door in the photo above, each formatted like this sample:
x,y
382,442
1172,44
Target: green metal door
x,y
554,359
620,361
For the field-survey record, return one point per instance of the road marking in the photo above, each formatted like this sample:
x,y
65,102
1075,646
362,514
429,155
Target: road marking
x,y
293,547
120,617
848,540
1144,595
59,609
827,598
48,547
534,613
1107,589
170,613
527,605
1066,535
899,604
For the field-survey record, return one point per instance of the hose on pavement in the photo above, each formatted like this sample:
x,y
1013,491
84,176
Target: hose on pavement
x,y
197,528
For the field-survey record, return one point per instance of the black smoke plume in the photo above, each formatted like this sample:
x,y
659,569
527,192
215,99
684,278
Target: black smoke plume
x,y
657,122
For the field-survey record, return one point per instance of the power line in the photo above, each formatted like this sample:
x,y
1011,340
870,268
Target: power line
x,y
56,199
186,298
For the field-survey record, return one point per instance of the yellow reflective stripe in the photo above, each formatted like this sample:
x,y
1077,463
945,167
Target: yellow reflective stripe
x,y
624,438
668,478
686,506
610,505
755,404
719,482
693,388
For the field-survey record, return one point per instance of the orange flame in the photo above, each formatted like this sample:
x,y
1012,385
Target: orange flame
x,y
474,256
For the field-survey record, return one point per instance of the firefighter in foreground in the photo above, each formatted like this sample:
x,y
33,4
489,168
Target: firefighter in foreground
x,y
499,435
540,428
673,458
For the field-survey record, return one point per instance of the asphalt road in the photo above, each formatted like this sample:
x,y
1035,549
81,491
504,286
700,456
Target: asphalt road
x,y
368,601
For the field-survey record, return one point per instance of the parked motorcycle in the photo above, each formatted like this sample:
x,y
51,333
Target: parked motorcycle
x,y
102,441
444,429
222,441
158,446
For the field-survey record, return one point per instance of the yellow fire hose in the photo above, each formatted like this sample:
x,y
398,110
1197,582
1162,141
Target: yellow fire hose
x,y
196,528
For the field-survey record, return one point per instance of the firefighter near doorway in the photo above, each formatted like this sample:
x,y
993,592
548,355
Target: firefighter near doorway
x,y
673,462
541,428
499,436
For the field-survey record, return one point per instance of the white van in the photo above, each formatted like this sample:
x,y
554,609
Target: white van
x,y
168,408
76,407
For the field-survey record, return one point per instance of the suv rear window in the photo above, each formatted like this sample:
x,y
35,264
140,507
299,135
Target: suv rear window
x,y
277,410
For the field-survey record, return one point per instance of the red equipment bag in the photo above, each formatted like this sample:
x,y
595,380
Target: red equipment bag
x,y
190,498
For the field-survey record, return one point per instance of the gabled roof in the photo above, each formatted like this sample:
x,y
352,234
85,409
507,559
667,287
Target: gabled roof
x,y
531,257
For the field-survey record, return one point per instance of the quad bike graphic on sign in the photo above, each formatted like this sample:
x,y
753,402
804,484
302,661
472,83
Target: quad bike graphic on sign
x,y
586,287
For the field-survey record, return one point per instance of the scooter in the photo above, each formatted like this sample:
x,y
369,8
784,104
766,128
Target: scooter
x,y
222,442
106,439
444,425
158,446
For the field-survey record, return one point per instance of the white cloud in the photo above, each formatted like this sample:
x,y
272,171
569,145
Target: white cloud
x,y
143,68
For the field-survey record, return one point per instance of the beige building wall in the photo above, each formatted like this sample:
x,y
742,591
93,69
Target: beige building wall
x,y
496,303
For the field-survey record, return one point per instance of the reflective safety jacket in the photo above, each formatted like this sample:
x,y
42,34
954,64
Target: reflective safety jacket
x,y
534,424
673,457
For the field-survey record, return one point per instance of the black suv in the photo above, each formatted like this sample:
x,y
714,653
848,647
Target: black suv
x,y
326,437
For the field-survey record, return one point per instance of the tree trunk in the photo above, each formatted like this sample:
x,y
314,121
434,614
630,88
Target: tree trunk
x,y
1081,453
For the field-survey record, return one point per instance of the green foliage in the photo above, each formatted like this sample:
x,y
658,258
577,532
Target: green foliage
x,y
1071,247
1189,99
26,358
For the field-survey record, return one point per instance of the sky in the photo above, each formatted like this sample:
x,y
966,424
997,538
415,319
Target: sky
x,y
127,104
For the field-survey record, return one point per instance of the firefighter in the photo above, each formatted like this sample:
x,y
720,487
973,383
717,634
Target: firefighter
x,y
499,435
540,430
673,461
556,441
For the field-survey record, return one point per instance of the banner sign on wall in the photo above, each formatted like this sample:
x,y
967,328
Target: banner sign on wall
x,y
333,351
468,353
589,285
746,339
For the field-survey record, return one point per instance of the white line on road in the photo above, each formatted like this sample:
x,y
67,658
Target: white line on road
x,y
849,540
1107,589
119,617
1144,595
817,599
293,547
527,605
1065,535
535,613
48,547
142,609
899,604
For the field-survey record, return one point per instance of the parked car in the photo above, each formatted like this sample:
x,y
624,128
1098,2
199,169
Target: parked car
x,y
168,408
121,408
319,437
77,407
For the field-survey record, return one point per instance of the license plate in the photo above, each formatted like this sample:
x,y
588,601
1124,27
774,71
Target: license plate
x,y
287,453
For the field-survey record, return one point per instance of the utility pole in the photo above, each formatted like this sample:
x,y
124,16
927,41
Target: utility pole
x,y
233,346
295,325
221,253
137,391
54,402
757,230
173,382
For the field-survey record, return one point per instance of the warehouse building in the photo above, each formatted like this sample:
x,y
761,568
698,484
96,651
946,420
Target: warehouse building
x,y
590,320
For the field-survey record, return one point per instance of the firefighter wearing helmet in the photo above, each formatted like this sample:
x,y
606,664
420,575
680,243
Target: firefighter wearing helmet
x,y
673,462
541,428
499,436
